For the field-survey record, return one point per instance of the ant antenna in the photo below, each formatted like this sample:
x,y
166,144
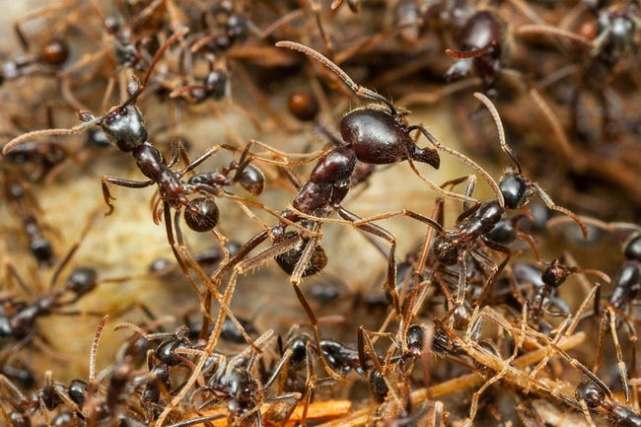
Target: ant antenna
x,y
94,349
499,126
358,90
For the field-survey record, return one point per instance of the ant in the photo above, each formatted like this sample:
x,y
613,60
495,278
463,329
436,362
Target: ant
x,y
627,284
594,398
124,126
614,41
480,40
375,135
51,56
25,206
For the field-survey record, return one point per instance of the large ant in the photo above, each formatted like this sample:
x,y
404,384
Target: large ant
x,y
372,135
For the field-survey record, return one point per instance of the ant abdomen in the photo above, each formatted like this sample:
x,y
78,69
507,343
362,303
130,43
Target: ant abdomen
x,y
201,214
378,138
288,260
82,280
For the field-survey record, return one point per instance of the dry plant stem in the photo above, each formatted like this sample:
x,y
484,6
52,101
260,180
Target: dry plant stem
x,y
462,383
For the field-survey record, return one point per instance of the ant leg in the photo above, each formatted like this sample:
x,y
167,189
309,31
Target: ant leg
x,y
73,249
391,258
317,9
207,154
204,420
314,322
490,281
623,372
430,98
533,29
10,274
106,194
551,205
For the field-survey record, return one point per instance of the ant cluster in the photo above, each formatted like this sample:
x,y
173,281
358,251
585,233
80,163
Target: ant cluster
x,y
491,317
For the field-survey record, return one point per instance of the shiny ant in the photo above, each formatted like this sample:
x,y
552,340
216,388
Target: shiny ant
x,y
595,400
373,135
124,126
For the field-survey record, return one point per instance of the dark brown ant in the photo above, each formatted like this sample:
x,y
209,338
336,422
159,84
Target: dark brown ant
x,y
372,135
597,402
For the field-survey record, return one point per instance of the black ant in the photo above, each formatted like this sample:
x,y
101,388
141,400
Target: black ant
x,y
614,41
124,126
25,207
596,402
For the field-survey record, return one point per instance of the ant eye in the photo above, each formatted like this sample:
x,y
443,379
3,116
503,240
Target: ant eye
x,y
201,214
633,249
513,187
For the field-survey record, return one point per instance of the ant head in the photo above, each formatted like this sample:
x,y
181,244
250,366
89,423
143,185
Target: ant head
x,y
201,214
288,260
303,105
166,351
82,280
590,393
125,127
514,189
632,250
